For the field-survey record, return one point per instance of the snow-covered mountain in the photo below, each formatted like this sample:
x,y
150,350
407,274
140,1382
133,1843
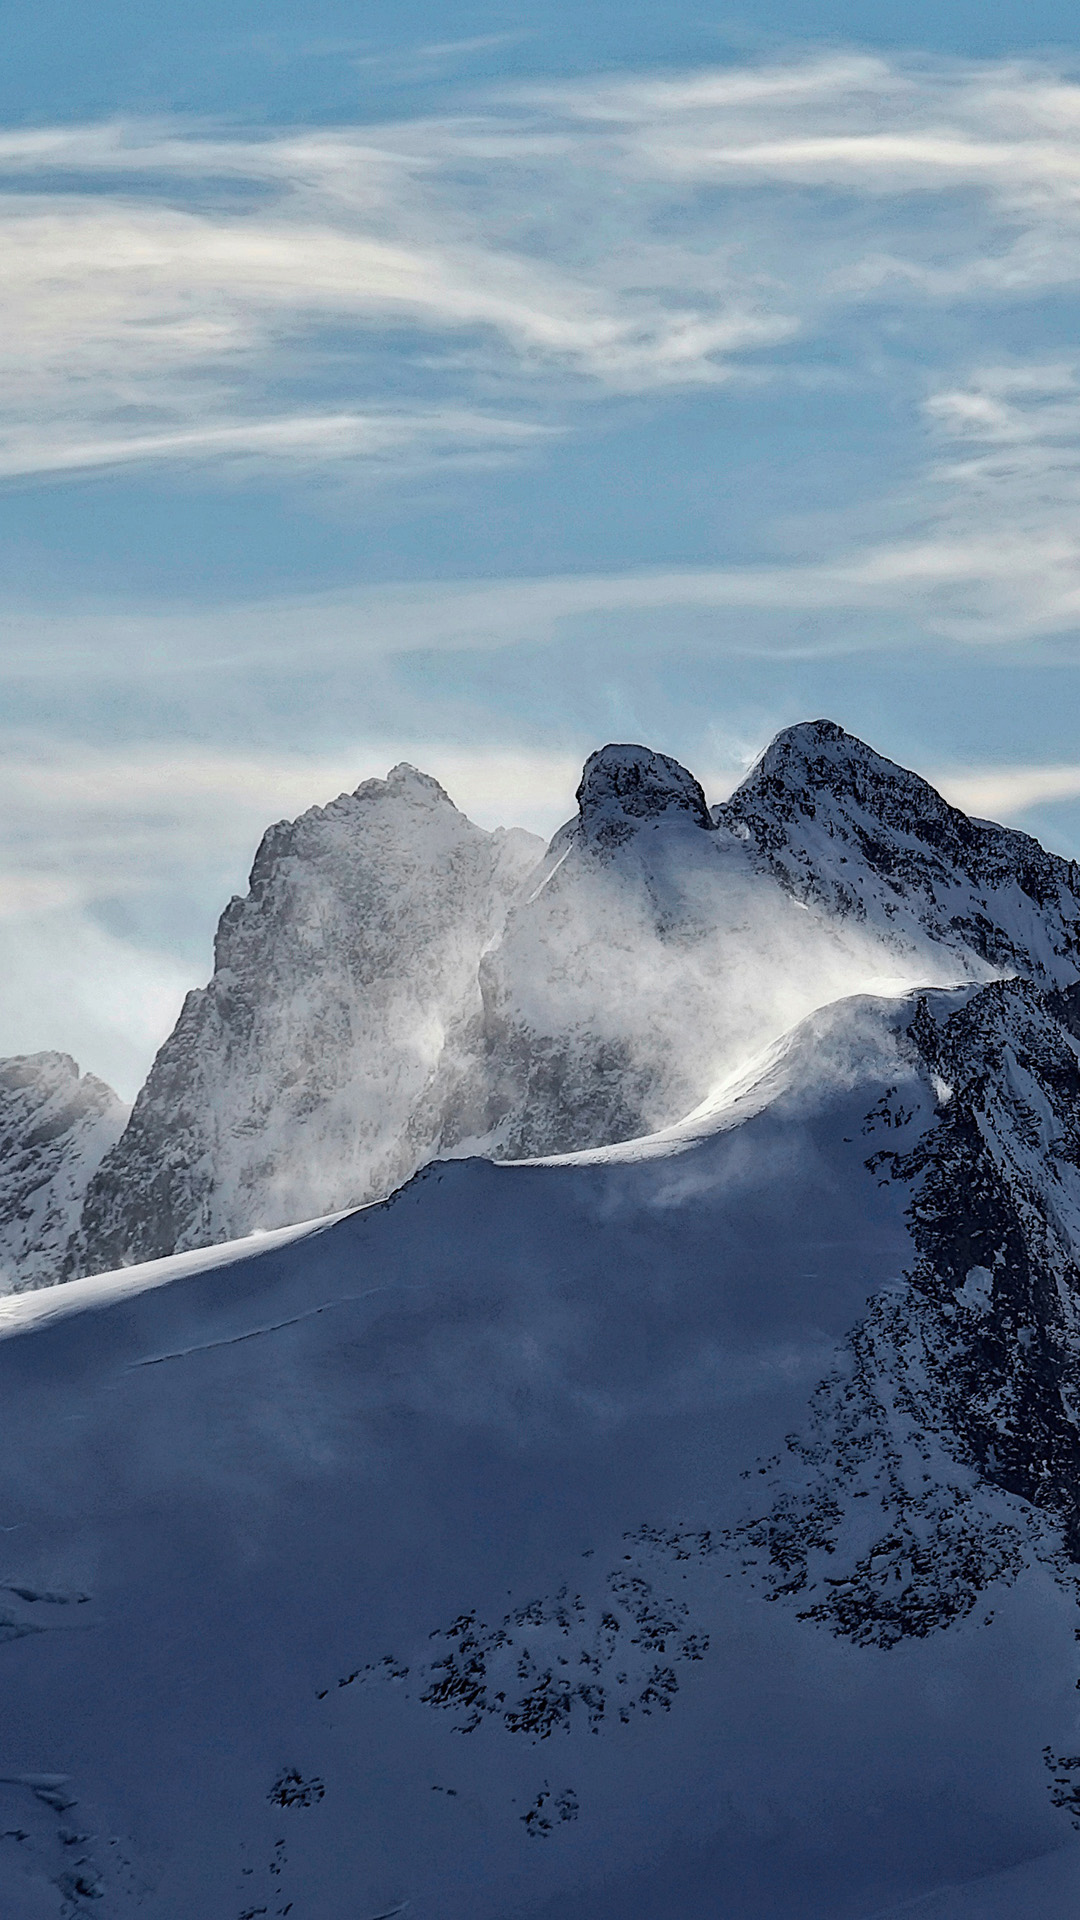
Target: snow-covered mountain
x,y
687,1525
399,984
55,1127
300,1079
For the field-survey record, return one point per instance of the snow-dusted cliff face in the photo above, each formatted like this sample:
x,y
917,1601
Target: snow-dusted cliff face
x,y
851,834
298,1081
55,1128
687,1527
399,984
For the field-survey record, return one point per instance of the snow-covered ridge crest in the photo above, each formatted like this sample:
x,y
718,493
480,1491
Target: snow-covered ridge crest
x,y
399,984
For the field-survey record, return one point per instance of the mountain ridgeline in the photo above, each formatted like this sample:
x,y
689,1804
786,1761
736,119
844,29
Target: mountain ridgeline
x,y
399,985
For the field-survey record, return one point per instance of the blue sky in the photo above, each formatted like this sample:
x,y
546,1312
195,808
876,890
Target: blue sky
x,y
474,385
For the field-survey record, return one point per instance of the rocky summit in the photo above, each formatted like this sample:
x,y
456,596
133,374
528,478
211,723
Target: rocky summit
x,y
300,1079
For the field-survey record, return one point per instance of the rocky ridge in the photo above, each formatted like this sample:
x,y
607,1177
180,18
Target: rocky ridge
x,y
964,1382
849,832
652,956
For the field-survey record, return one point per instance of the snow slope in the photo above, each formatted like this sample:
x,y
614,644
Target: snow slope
x,y
680,1527
1047,1885
55,1127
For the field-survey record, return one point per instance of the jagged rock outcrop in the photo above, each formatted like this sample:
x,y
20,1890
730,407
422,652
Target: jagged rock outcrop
x,y
962,1384
298,1081
623,786
55,1127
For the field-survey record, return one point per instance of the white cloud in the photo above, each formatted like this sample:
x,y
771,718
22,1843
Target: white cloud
x,y
451,435
994,559
135,324
186,296
416,63
1003,793
847,119
979,578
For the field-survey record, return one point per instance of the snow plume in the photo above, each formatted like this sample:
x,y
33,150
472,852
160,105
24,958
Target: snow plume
x,y
655,957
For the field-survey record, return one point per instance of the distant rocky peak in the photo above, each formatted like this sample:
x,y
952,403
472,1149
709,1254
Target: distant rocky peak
x,y
815,759
842,827
56,1125
624,786
406,782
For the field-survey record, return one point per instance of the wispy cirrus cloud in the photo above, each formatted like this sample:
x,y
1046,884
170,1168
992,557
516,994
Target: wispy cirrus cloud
x,y
378,439
249,277
172,289
994,559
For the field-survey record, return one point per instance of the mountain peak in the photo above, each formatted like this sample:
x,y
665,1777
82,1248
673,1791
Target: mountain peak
x,y
304,1071
817,756
56,1125
623,786
842,827
407,782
